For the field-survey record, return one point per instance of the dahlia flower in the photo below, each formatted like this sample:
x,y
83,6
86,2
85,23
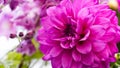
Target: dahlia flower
x,y
79,34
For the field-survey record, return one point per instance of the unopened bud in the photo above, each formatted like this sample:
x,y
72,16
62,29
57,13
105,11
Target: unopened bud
x,y
13,35
113,4
29,35
21,34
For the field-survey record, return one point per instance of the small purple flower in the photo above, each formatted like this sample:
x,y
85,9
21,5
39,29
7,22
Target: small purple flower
x,y
27,15
26,47
6,24
79,34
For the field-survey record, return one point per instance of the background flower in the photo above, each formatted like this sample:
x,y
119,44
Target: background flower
x,y
6,23
26,47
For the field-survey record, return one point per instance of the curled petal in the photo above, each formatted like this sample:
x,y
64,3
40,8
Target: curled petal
x,y
84,48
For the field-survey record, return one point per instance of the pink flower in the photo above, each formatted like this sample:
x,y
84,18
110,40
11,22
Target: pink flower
x,y
79,34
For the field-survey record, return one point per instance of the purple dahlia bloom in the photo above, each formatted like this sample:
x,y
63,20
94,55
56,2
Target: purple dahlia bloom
x,y
79,34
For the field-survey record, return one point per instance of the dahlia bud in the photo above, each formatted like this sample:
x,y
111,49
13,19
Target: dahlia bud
x,y
113,4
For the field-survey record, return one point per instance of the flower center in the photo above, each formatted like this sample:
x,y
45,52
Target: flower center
x,y
69,31
69,37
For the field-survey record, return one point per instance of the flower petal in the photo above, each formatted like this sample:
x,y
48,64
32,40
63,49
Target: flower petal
x,y
78,4
79,27
65,45
86,36
97,31
84,48
98,45
66,60
113,48
104,54
55,51
88,59
83,13
56,62
45,48
76,56
76,65
57,23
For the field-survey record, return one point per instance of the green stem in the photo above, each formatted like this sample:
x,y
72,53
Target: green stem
x,y
22,62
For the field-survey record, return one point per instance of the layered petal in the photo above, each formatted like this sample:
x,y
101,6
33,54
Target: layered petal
x,y
84,48
66,60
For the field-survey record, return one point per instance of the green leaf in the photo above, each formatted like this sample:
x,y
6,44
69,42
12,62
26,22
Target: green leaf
x,y
14,56
36,55
12,63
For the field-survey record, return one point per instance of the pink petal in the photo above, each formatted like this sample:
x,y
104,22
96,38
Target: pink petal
x,y
88,59
84,48
66,60
83,13
113,48
47,57
99,20
57,23
104,54
65,44
97,31
86,36
78,4
76,65
45,48
50,52
108,37
51,11
98,45
55,51
96,8
56,62
79,27
76,56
